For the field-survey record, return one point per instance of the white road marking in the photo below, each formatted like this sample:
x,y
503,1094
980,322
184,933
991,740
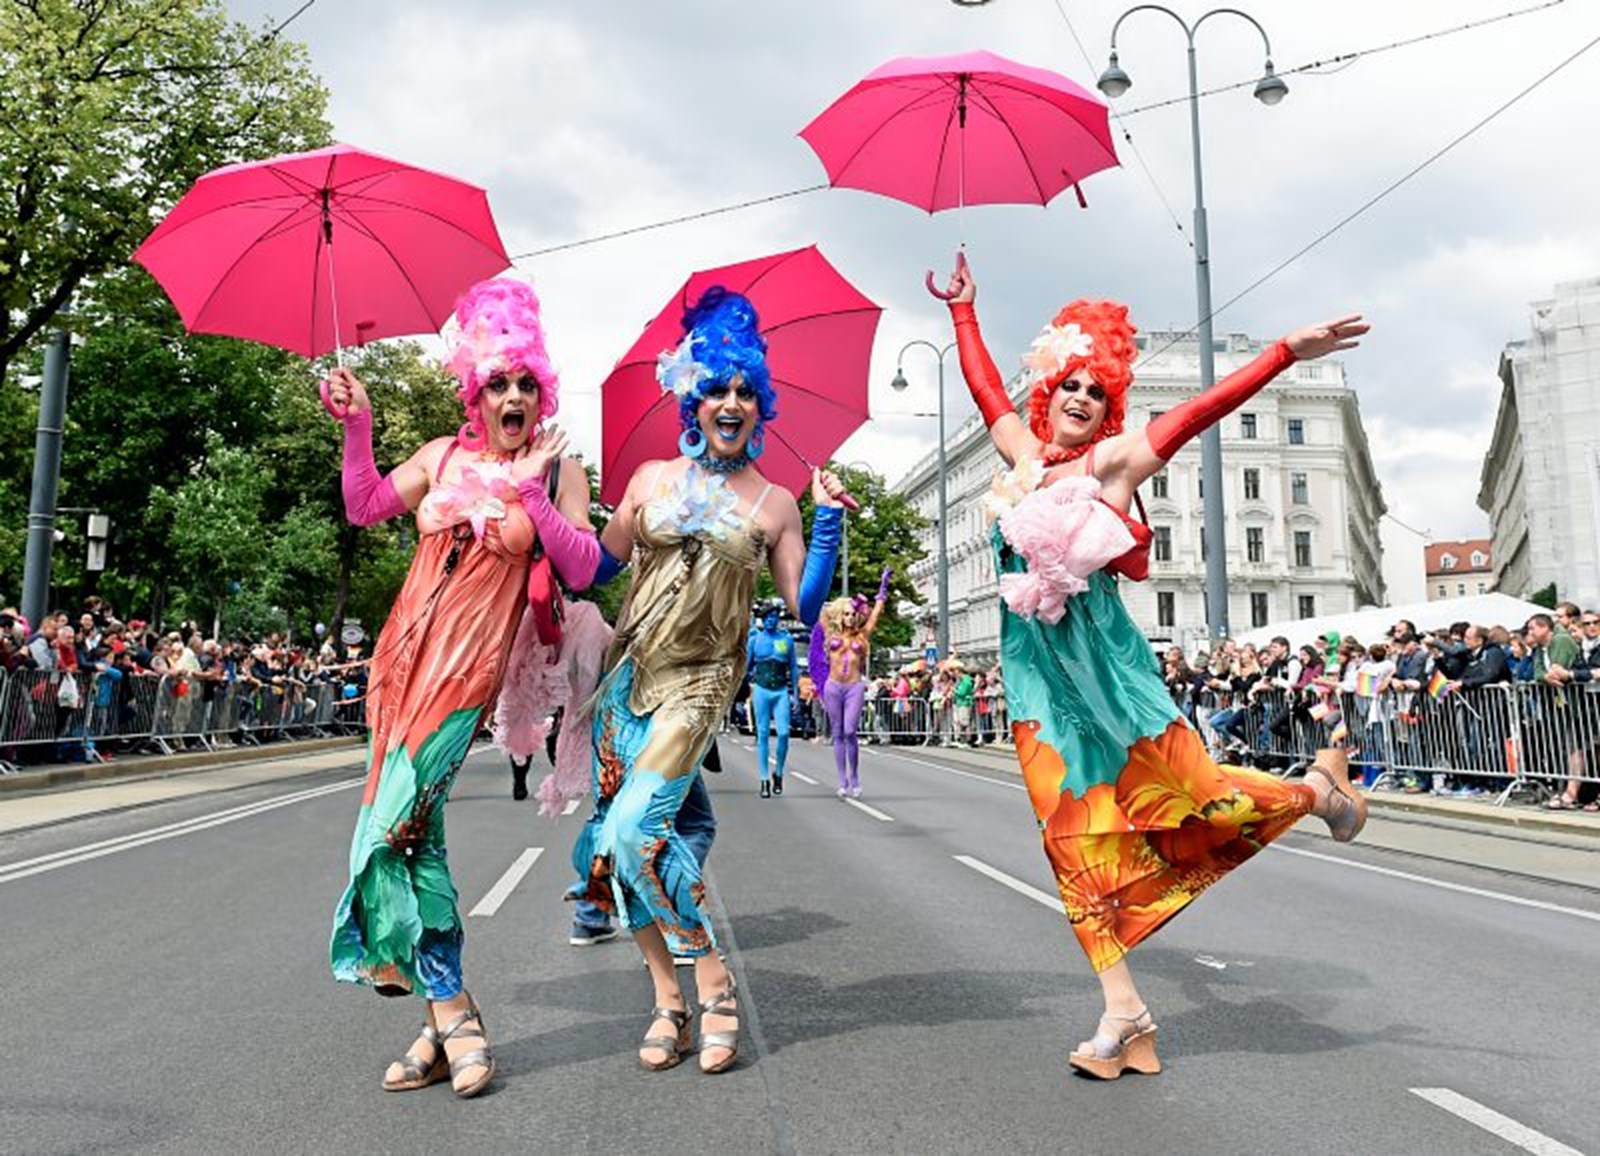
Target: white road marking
x,y
951,770
507,883
1537,904
873,811
1494,1123
12,872
1053,902
571,807
805,778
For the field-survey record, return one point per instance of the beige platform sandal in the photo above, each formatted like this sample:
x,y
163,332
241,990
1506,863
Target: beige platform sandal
x,y
1130,1047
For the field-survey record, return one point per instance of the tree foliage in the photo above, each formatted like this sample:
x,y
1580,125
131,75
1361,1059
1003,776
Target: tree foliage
x,y
109,110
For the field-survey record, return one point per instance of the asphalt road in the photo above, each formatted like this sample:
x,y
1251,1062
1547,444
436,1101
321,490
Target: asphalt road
x,y
907,985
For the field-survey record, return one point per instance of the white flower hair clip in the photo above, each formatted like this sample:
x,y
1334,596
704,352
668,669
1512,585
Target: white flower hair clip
x,y
679,371
474,350
1055,346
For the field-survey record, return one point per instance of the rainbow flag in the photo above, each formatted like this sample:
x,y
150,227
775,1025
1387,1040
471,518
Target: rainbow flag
x,y
1438,685
1339,734
1367,684
1321,709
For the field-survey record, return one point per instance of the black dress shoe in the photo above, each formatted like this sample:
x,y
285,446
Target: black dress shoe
x,y
766,789
777,784
519,780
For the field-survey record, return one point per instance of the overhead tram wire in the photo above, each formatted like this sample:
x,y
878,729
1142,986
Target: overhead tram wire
x,y
1128,136
1345,59
1380,195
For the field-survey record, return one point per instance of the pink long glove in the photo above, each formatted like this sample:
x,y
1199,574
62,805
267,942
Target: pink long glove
x,y
1169,431
369,497
573,552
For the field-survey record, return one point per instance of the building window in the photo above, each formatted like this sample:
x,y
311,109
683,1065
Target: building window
x,y
1308,605
1166,608
1158,485
1255,545
1299,490
1247,426
1258,609
1461,589
1163,543
1478,559
1302,548
1201,479
1202,543
1252,485
1447,561
1441,590
1480,588
1297,432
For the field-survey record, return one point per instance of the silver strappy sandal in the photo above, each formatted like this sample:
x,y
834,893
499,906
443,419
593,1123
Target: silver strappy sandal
x,y
1347,808
717,1005
416,1072
480,1057
1133,1045
675,1046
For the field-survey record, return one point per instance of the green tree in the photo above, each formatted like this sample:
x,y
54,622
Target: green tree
x,y
109,110
883,533
217,543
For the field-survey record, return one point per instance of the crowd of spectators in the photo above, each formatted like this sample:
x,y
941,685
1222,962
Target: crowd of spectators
x,y
1243,697
65,671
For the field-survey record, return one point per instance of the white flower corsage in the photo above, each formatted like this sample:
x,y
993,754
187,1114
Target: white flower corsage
x,y
678,371
1055,346
474,351
1011,487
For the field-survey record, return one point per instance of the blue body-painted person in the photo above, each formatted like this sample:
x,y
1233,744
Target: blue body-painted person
x,y
774,675
698,529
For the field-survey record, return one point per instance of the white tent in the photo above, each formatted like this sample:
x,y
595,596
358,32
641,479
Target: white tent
x,y
1372,625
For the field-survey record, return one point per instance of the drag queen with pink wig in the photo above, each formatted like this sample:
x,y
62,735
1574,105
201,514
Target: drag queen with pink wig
x,y
482,501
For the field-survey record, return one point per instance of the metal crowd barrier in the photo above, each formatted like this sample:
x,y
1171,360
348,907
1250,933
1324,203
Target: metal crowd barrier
x,y
913,721
44,719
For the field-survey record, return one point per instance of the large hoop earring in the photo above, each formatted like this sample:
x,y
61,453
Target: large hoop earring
x,y
691,442
757,444
472,436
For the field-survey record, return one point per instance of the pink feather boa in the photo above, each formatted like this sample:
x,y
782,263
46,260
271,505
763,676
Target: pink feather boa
x,y
539,680
1066,533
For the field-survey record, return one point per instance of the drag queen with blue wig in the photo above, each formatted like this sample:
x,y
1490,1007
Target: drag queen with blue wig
x,y
697,529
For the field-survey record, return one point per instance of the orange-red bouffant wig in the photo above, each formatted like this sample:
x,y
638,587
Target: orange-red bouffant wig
x,y
1110,362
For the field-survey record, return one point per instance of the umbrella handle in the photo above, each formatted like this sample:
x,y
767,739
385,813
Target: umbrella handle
x,y
338,413
943,295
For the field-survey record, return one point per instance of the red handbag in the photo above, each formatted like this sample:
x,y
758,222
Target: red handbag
x,y
544,589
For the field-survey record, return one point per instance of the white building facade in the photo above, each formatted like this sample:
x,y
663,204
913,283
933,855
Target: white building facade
x,y
1303,506
1540,483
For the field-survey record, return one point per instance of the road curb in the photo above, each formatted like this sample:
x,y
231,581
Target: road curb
x,y
33,782
1424,808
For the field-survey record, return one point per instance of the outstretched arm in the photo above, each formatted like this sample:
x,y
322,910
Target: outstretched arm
x,y
880,602
1137,455
1007,430
804,574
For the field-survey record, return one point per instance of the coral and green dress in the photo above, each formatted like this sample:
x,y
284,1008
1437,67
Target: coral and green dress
x,y
437,669
1136,818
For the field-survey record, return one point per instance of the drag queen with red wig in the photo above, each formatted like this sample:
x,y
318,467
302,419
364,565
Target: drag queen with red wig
x,y
482,502
1137,820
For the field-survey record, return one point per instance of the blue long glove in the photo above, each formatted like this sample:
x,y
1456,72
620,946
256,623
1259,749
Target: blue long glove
x,y
827,531
609,567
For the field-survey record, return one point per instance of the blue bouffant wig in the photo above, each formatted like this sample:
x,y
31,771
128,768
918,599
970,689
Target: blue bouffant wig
x,y
726,340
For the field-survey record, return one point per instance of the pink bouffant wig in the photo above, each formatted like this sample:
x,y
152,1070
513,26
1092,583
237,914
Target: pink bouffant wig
x,y
496,330
1109,360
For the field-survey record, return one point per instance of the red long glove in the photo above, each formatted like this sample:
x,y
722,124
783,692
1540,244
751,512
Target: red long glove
x,y
983,379
1169,431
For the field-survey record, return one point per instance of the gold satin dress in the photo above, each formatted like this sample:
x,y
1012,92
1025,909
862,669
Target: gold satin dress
x,y
676,661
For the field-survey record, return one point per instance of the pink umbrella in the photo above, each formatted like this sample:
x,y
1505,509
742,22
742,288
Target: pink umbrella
x,y
250,251
972,129
819,331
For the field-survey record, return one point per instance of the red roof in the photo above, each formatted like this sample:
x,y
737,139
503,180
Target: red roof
x,y
1460,553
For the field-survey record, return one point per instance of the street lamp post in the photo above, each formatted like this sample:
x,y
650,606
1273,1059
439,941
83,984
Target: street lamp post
x,y
900,383
1269,90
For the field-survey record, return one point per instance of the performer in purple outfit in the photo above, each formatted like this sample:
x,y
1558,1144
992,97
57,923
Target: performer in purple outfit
x,y
849,625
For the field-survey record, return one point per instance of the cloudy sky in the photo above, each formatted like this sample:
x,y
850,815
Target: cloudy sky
x,y
584,118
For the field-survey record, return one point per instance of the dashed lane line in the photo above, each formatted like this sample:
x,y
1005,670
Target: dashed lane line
x,y
804,778
507,883
1053,902
571,807
1494,1123
950,770
873,811
1462,888
12,872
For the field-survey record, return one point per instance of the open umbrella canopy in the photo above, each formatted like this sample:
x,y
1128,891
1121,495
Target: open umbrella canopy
x,y
975,128
316,250
819,330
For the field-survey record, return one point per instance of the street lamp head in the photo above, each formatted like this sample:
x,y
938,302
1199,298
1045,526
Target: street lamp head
x,y
1114,82
1270,89
899,384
